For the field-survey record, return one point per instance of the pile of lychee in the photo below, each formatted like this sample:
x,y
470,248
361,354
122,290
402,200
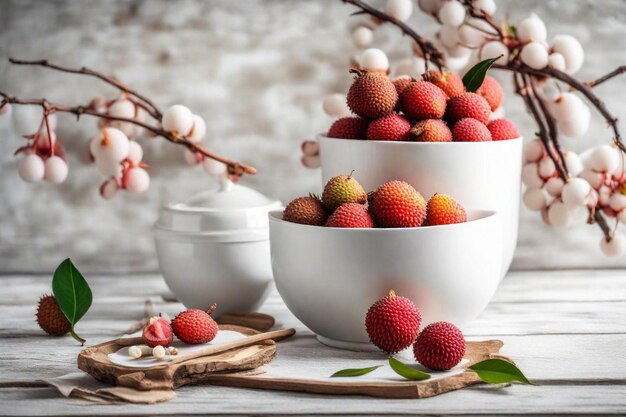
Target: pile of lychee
x,y
436,108
344,203
393,324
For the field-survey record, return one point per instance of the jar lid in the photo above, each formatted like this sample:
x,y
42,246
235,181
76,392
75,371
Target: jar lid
x,y
228,209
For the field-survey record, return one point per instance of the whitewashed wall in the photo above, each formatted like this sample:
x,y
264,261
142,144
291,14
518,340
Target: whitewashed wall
x,y
256,71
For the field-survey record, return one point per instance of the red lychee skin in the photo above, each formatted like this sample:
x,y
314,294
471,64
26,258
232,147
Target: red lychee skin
x,y
348,128
431,130
50,317
393,323
440,346
195,326
449,82
392,127
305,210
158,332
372,95
468,105
503,129
491,90
397,204
423,100
443,209
353,215
470,130
401,83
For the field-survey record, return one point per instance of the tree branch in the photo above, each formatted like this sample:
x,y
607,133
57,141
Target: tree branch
x,y
617,71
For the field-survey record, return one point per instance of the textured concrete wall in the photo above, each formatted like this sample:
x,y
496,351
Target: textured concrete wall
x,y
256,71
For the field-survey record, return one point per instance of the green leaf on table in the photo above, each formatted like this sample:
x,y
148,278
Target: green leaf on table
x,y
498,371
406,371
72,293
474,78
354,371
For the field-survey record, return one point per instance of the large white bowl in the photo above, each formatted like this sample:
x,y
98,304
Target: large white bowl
x,y
478,174
329,277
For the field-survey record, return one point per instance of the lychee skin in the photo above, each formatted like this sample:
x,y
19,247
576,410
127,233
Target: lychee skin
x,y
468,105
50,317
423,100
431,130
352,215
503,129
392,127
443,209
158,332
401,83
372,95
397,204
305,210
195,326
348,128
470,130
440,346
450,82
342,189
491,90
393,323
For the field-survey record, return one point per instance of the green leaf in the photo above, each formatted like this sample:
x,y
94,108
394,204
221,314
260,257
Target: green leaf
x,y
72,293
476,75
354,371
406,371
511,30
498,371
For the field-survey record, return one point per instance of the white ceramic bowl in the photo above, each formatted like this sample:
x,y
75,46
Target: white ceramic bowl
x,y
477,174
329,277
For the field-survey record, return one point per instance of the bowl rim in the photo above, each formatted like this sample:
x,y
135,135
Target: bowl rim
x,y
324,137
275,216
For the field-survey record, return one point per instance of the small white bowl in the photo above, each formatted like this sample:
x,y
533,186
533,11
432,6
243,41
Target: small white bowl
x,y
477,174
329,277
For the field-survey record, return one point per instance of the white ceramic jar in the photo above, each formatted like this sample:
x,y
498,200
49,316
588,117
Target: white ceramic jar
x,y
214,248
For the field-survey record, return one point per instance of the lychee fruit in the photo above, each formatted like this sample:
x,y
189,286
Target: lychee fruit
x,y
158,332
342,189
348,128
470,130
195,326
397,204
468,105
450,82
503,129
392,127
491,90
440,346
443,209
431,130
401,83
423,100
50,317
372,95
393,323
305,210
353,215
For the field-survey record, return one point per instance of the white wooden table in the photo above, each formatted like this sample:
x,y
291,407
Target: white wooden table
x,y
566,330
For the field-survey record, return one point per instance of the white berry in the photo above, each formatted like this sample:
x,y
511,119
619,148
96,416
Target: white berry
x,y
452,14
177,120
412,67
122,108
310,161
554,186
531,29
614,247
137,180
622,217
487,6
546,168
575,193
213,167
617,201
533,150
556,61
535,199
310,147
198,131
429,6
335,105
595,179
535,55
362,37
55,170
576,126
604,158
559,215
494,49
449,36
111,144
108,167
530,176
471,36
191,158
31,168
399,9
572,51
374,59
135,152
573,163
568,106
108,189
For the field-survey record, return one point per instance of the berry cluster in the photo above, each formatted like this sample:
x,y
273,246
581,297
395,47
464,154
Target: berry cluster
x,y
191,327
393,204
393,324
